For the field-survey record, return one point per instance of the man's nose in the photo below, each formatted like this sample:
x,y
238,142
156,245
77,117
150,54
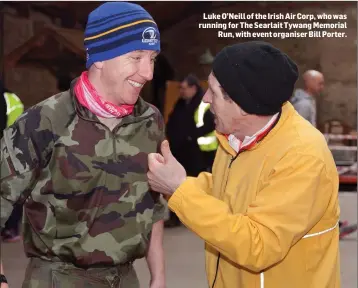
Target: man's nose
x,y
146,70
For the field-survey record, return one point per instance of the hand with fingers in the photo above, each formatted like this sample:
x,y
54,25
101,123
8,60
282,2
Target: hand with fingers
x,y
165,173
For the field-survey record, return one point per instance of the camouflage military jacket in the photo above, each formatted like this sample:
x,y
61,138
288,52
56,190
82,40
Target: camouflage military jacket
x,y
84,188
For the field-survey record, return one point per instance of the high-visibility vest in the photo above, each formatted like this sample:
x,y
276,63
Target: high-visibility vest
x,y
14,107
209,142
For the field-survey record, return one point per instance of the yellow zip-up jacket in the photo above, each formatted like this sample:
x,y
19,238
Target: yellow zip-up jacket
x,y
269,217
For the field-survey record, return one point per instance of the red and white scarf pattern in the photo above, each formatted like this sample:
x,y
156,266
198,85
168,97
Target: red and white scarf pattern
x,y
89,98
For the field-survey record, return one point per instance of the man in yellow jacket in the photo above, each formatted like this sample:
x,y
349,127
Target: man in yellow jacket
x,y
269,211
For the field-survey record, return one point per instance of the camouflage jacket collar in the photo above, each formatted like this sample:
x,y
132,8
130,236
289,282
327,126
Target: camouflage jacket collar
x,y
141,111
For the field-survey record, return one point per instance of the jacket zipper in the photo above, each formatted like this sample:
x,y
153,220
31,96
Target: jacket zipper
x,y
231,161
217,269
217,262
113,134
114,145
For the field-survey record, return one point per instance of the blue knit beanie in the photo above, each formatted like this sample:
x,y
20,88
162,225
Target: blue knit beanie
x,y
117,28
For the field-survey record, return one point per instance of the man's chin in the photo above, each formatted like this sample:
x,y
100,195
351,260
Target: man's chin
x,y
133,99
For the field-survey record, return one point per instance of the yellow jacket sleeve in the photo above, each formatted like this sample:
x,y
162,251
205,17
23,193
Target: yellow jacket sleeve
x,y
287,206
204,181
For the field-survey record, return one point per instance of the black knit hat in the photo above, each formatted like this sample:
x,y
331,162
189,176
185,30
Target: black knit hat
x,y
256,75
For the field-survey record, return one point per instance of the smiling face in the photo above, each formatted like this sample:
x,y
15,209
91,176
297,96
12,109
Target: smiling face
x,y
122,78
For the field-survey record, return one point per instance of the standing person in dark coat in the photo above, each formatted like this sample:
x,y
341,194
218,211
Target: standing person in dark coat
x,y
190,132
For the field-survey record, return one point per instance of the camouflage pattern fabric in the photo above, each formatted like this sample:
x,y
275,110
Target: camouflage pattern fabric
x,y
84,187
44,274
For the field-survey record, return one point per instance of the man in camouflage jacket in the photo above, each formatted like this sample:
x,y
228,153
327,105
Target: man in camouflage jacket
x,y
88,210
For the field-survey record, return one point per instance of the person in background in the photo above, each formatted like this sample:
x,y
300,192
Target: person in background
x,y
269,211
304,101
191,132
12,108
77,162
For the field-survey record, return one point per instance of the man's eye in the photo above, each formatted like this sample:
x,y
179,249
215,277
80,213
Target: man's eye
x,y
137,58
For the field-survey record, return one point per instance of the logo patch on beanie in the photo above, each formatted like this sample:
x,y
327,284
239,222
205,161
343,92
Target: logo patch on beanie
x,y
149,36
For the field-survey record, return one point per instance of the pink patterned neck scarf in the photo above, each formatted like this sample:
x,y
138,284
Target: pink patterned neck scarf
x,y
88,97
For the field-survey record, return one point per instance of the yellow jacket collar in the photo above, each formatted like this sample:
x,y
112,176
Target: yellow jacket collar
x,y
287,111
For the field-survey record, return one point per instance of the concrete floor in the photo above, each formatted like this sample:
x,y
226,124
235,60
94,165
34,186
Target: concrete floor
x,y
185,257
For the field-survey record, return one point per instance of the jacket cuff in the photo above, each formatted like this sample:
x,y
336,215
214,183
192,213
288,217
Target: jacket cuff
x,y
176,199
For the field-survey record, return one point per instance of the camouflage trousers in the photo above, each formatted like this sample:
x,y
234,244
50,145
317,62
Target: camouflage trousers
x,y
45,274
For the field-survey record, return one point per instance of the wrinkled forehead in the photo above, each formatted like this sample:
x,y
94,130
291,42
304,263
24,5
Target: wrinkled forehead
x,y
212,81
214,84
